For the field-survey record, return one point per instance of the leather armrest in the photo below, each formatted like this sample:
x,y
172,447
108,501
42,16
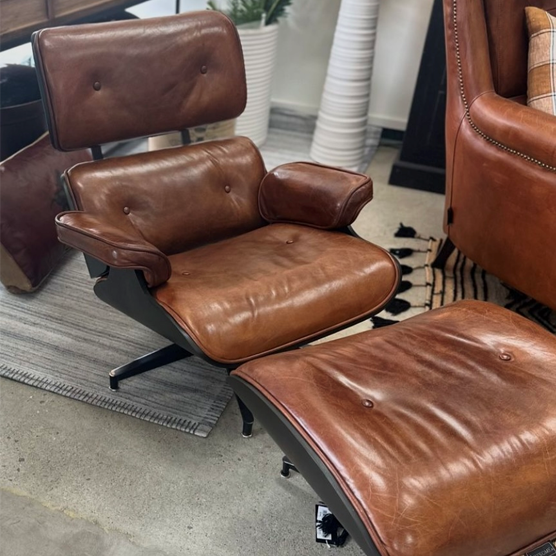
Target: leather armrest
x,y
313,195
520,128
112,245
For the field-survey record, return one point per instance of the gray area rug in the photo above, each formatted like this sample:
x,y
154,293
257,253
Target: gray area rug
x,y
65,340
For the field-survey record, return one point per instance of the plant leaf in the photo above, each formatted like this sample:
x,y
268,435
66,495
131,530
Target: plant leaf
x,y
275,9
252,11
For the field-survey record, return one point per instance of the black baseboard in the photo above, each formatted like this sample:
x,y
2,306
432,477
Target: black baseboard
x,y
417,176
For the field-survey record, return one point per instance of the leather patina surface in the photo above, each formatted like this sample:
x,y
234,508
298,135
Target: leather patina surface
x,y
189,219
113,245
501,154
175,199
30,197
440,430
274,287
508,43
100,85
313,194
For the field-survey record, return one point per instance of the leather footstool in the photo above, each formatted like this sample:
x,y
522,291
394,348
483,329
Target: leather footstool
x,y
432,437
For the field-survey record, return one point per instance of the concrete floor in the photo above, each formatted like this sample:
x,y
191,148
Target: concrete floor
x,y
78,480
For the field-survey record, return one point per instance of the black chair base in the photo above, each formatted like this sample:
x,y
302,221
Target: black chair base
x,y
165,356
287,466
153,360
247,418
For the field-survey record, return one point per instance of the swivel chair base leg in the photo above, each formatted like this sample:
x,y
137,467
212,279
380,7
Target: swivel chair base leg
x,y
442,256
153,360
287,466
247,417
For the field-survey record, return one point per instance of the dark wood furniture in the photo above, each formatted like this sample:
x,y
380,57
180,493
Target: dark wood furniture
x,y
422,160
20,18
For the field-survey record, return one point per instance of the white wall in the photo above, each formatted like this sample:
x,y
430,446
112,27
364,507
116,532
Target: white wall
x,y
402,28
305,43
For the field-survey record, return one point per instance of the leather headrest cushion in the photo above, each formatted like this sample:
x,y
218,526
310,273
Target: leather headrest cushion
x,y
113,81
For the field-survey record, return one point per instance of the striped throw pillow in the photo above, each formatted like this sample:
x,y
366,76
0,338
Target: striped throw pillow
x,y
541,86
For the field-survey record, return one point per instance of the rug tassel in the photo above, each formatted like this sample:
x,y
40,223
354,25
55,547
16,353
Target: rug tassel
x,y
397,306
329,524
407,285
408,269
408,231
379,322
404,252
404,286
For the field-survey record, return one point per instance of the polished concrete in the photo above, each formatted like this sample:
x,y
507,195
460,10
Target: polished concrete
x,y
77,480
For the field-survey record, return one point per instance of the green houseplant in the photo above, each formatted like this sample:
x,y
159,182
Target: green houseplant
x,y
243,12
257,25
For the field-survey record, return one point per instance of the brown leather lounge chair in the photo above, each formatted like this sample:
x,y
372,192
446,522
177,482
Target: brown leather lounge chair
x,y
200,243
501,154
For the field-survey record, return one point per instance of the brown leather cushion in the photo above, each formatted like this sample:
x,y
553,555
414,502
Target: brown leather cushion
x,y
119,80
274,286
507,36
541,79
30,198
178,198
457,455
312,194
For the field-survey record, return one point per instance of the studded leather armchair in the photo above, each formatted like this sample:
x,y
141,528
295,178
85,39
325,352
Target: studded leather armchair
x,y
501,154
200,243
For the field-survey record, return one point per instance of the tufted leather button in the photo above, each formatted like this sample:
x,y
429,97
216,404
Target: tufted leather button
x,y
505,357
289,241
185,273
126,210
368,403
204,69
227,189
97,85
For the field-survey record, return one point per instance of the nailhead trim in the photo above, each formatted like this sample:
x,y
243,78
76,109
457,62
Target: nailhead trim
x,y
473,125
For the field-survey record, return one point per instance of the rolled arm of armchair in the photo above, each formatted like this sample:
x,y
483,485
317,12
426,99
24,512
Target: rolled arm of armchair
x,y
527,131
112,245
313,195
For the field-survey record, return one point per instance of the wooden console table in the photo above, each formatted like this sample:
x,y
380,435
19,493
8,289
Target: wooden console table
x,y
20,18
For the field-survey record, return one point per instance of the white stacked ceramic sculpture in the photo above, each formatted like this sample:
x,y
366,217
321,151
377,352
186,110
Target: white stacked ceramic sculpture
x,y
259,50
341,128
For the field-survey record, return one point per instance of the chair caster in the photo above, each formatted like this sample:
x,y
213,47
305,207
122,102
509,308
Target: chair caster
x,y
247,418
287,466
247,431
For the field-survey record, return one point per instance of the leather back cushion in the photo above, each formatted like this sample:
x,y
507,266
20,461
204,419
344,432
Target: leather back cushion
x,y
31,196
176,198
508,42
107,82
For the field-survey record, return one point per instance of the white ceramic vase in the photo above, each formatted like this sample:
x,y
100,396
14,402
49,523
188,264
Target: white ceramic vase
x,y
340,132
259,51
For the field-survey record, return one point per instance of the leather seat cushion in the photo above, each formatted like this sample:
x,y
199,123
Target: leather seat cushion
x,y
274,286
458,453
